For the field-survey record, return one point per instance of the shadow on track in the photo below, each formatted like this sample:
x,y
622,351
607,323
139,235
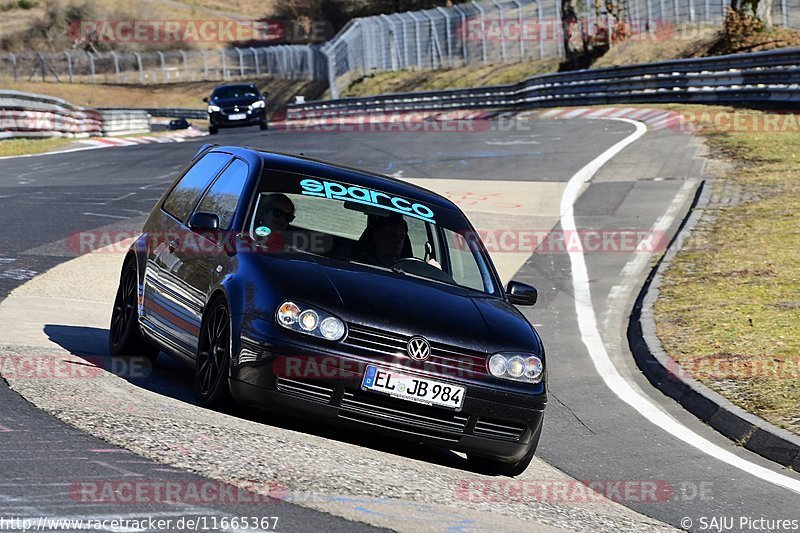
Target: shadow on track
x,y
169,377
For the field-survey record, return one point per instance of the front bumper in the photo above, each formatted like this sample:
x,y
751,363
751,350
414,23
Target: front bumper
x,y
491,423
219,119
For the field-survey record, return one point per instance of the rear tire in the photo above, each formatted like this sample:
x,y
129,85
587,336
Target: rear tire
x,y
212,363
493,467
125,339
212,130
263,125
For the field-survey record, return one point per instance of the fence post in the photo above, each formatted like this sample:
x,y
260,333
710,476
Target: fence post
x,y
224,64
185,65
241,62
116,66
284,60
406,62
312,67
447,35
520,22
164,74
691,11
502,31
384,33
483,29
434,38
328,51
677,12
463,32
417,39
91,66
255,61
138,57
392,48
69,66
541,32
785,13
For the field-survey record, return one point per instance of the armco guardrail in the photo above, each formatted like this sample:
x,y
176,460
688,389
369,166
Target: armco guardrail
x,y
124,121
771,77
164,112
35,115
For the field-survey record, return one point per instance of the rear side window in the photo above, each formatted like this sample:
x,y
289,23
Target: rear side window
x,y
223,197
187,192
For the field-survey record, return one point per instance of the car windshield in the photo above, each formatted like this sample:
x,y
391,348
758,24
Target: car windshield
x,y
365,226
237,91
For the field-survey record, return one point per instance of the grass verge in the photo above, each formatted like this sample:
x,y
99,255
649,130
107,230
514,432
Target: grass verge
x,y
455,78
12,147
729,308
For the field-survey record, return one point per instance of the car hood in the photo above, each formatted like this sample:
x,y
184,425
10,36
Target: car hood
x,y
404,304
228,102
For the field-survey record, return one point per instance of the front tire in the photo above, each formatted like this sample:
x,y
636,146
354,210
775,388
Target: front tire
x,y
493,467
125,339
263,125
213,130
212,363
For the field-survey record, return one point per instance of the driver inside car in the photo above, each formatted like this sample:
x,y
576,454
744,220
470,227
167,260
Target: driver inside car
x,y
386,240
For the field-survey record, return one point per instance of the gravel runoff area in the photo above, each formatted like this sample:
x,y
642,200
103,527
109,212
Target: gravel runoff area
x,y
359,477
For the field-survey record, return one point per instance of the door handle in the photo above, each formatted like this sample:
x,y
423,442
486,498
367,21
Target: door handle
x,y
173,244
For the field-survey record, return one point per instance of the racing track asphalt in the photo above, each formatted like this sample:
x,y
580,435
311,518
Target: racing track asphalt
x,y
589,432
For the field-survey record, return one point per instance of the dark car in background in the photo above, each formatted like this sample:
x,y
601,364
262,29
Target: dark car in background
x,y
296,285
236,105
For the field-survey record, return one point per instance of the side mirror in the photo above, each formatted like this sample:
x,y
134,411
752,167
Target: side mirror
x,y
204,222
205,99
521,294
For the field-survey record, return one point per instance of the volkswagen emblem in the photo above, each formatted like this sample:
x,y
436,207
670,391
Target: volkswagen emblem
x,y
419,348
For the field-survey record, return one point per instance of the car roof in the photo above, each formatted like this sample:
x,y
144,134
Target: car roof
x,y
230,85
362,178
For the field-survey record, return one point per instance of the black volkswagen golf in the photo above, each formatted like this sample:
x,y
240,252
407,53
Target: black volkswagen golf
x,y
297,285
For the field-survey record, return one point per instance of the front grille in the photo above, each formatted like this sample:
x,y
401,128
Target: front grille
x,y
406,416
500,430
451,360
304,389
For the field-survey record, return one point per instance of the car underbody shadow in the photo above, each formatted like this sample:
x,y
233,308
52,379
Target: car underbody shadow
x,y
169,377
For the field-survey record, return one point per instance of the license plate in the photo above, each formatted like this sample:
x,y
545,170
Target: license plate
x,y
413,388
239,116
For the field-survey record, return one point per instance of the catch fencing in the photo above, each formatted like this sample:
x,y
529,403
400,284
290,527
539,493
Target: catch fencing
x,y
470,33
79,66
765,78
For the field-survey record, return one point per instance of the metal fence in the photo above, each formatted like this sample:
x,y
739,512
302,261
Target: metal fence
x,y
493,31
470,33
283,61
764,78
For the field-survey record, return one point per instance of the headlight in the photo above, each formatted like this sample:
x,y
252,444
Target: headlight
x,y
214,109
526,368
332,328
288,313
311,321
259,104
